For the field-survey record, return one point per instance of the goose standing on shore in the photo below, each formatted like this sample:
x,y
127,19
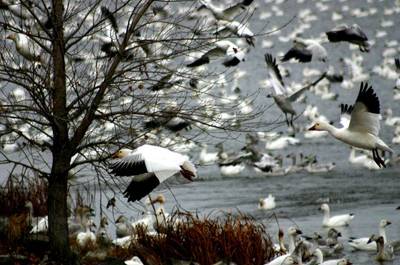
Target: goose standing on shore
x,y
149,165
363,128
334,221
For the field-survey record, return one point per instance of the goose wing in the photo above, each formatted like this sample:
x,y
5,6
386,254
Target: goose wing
x,y
356,32
275,75
365,114
131,165
345,114
397,63
302,54
234,10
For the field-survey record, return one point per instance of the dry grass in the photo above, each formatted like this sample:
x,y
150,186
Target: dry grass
x,y
18,190
205,240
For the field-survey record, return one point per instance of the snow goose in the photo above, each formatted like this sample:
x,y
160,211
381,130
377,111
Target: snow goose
x,y
280,247
281,97
363,160
337,220
149,165
306,50
284,259
363,244
281,143
102,238
397,64
222,13
84,239
266,163
25,48
318,257
207,157
122,228
363,128
135,260
231,170
223,48
352,34
320,168
385,251
267,203
237,28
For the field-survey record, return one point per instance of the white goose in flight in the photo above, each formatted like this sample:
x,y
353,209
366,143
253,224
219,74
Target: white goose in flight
x,y
352,34
223,48
222,13
149,165
397,64
306,50
363,128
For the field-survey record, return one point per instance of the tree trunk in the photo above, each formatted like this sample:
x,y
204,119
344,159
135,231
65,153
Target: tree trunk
x,y
58,214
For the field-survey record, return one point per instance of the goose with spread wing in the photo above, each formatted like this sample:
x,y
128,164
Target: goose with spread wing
x,y
149,165
363,126
233,54
306,50
397,64
281,97
352,34
222,13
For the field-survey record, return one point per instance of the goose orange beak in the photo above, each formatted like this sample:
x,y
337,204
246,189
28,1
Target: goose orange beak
x,y
115,155
312,128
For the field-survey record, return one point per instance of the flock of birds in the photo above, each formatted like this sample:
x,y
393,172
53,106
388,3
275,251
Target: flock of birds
x,y
150,165
315,248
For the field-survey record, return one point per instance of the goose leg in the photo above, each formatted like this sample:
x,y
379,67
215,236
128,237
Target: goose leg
x,y
380,159
291,120
374,157
287,121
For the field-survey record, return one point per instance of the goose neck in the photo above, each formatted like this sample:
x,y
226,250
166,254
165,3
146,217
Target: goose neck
x,y
326,215
382,233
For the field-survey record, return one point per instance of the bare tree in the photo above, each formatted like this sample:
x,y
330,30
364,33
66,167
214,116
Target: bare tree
x,y
80,79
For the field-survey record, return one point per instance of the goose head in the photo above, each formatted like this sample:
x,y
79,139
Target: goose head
x,y
384,223
324,207
320,126
374,238
334,233
121,219
294,231
344,262
121,153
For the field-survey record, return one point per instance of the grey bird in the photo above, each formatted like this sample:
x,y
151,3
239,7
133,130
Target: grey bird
x,y
281,96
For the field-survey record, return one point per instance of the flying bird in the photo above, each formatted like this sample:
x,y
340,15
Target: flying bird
x,y
107,14
149,165
225,13
352,34
306,50
397,64
237,28
282,97
224,48
363,126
